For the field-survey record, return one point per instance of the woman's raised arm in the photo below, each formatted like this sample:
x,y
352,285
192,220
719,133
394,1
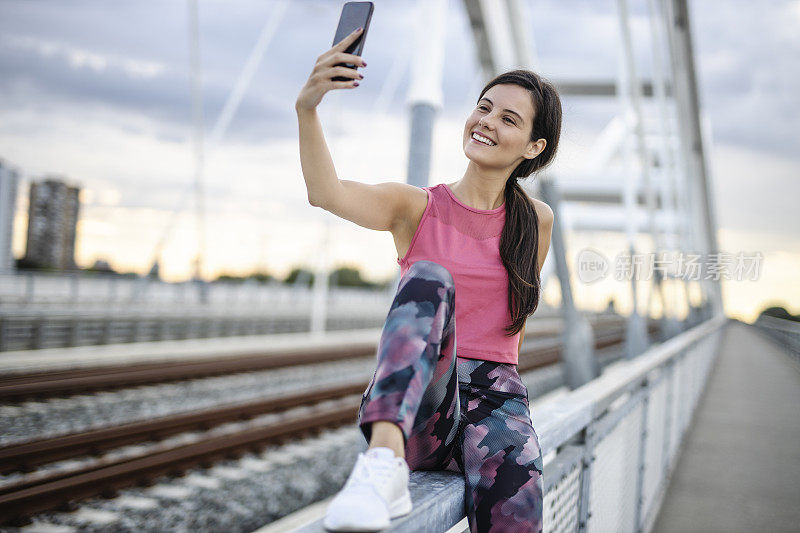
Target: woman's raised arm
x,y
315,159
377,207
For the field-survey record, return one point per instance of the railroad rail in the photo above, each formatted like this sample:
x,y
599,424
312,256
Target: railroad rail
x,y
105,476
45,384
48,384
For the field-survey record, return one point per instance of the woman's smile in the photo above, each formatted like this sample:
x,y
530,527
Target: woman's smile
x,y
480,139
479,142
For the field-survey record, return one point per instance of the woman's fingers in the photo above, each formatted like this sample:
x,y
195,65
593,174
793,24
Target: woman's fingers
x,y
346,72
345,84
337,53
320,81
350,58
342,57
347,41
343,72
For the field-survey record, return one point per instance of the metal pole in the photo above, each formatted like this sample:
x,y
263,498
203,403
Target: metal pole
x,y
666,167
579,363
636,340
197,135
686,92
425,91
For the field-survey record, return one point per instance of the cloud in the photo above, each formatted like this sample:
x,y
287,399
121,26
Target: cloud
x,y
135,57
755,191
747,57
81,58
101,93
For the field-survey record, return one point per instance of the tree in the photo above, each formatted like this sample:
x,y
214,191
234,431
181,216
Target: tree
x,y
299,276
779,312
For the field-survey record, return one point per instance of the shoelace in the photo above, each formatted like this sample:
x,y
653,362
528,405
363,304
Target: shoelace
x,y
372,471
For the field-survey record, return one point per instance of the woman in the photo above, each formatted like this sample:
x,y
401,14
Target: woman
x,y
481,242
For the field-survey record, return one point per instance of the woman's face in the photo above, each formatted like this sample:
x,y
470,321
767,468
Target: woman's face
x,y
504,115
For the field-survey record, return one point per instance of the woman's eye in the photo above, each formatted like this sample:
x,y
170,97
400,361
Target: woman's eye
x,y
483,108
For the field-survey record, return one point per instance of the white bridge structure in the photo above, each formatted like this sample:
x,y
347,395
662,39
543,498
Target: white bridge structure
x,y
612,440
610,444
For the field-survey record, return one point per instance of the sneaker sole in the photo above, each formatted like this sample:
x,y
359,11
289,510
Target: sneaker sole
x,y
354,527
402,506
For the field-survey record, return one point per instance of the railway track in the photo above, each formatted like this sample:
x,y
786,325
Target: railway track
x,y
104,477
47,384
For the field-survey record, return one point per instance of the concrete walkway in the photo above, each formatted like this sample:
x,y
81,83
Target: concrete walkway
x,y
739,469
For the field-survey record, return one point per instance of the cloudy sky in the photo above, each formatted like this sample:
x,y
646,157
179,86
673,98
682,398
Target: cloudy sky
x,y
99,93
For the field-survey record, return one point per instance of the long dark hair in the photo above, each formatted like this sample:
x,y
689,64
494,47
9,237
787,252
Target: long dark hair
x,y
519,243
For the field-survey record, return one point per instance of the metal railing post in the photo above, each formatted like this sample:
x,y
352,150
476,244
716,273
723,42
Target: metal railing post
x,y
587,463
647,390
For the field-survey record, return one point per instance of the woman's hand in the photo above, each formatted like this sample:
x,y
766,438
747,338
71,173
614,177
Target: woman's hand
x,y
320,82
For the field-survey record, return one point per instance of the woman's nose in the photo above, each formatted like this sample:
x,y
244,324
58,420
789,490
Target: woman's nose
x,y
484,123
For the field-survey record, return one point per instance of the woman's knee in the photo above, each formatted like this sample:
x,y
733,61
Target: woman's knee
x,y
431,270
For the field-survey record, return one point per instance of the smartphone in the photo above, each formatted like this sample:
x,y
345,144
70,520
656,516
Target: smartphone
x,y
354,15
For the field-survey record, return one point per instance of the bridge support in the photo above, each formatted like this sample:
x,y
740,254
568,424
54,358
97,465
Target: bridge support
x,y
579,363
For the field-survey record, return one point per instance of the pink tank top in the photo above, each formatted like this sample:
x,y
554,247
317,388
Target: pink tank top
x,y
466,241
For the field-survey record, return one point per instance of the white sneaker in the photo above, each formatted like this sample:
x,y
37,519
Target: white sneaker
x,y
375,492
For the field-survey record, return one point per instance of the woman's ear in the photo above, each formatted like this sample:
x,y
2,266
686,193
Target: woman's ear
x,y
535,148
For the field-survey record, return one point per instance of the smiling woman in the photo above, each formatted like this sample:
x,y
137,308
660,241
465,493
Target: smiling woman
x,y
503,146
434,403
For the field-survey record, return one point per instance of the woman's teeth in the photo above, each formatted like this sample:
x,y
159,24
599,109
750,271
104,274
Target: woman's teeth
x,y
482,139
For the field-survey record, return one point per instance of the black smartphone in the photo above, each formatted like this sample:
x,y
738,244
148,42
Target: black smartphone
x,y
354,15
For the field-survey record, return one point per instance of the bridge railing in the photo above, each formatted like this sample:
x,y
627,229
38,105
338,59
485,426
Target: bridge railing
x,y
609,446
53,310
49,310
784,332
103,291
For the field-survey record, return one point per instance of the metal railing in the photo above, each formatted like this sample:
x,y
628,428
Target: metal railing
x,y
614,441
55,310
784,332
609,446
56,330
108,292
43,310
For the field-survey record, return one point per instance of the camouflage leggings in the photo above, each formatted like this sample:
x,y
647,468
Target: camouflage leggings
x,y
464,415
